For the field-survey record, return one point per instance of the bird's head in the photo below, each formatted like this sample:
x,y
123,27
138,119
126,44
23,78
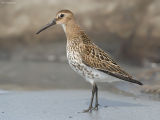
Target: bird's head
x,y
62,17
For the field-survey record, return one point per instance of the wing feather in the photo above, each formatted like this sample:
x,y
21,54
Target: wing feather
x,y
96,58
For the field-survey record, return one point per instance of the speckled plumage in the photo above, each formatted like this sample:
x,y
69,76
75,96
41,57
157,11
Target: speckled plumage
x,y
87,59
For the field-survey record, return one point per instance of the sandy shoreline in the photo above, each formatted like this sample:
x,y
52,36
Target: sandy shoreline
x,y
68,104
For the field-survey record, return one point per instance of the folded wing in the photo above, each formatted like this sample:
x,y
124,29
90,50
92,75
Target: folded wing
x,y
96,58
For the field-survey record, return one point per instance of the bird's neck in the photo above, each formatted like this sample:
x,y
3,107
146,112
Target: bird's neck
x,y
72,30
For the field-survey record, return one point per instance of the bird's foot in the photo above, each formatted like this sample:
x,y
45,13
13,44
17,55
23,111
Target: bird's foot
x,y
91,108
96,107
88,110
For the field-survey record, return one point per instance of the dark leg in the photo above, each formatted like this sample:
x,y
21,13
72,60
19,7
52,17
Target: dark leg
x,y
90,106
96,91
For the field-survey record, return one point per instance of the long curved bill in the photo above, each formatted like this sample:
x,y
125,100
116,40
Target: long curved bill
x,y
47,26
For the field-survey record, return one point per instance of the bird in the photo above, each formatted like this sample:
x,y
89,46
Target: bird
x,y
86,58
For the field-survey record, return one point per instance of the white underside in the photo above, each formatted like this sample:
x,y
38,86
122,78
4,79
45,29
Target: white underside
x,y
90,74
98,75
102,77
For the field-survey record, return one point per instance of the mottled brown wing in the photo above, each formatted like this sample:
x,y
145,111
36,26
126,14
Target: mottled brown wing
x,y
96,58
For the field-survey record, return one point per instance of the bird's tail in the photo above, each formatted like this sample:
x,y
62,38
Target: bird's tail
x,y
129,79
134,81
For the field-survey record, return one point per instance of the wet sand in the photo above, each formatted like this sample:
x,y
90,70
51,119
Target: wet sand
x,y
68,105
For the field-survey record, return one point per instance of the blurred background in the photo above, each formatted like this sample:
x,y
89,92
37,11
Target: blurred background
x,y
128,29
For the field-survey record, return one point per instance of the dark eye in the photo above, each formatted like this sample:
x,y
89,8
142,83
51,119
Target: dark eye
x,y
61,15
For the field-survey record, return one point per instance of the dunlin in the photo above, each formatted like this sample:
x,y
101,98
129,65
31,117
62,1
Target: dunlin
x,y
86,58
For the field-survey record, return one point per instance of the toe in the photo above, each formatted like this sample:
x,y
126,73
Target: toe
x,y
88,110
